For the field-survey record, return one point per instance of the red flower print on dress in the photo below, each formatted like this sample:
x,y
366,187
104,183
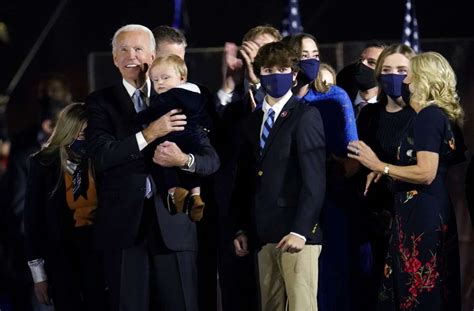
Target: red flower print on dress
x,y
422,276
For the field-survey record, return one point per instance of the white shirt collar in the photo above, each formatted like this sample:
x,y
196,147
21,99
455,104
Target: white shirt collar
x,y
146,88
359,100
189,87
278,106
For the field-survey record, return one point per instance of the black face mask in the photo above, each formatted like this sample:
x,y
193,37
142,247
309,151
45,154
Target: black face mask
x,y
406,94
364,77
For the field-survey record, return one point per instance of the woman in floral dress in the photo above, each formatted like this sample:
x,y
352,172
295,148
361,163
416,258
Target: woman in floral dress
x,y
422,267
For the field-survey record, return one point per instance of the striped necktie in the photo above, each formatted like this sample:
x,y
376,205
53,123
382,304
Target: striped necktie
x,y
267,126
137,99
139,104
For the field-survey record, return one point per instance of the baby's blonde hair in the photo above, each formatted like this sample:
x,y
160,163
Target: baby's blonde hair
x,y
175,61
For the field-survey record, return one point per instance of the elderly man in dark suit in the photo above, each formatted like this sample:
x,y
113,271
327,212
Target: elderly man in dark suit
x,y
149,254
280,186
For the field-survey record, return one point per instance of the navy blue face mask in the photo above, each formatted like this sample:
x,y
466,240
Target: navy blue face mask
x,y
78,147
392,84
406,94
309,70
278,84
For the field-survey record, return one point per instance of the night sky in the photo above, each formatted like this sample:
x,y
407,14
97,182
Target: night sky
x,y
87,25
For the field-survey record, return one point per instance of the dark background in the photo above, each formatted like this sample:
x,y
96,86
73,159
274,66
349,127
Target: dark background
x,y
87,26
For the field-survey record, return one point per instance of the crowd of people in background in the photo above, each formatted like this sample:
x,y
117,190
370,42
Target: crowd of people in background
x,y
299,187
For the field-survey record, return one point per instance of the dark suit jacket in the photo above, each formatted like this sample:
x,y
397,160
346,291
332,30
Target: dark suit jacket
x,y
48,218
121,170
285,186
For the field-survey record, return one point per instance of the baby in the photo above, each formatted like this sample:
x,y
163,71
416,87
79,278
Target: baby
x,y
168,75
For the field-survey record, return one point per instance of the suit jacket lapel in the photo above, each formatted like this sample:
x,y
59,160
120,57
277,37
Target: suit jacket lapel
x,y
124,100
282,117
254,130
126,107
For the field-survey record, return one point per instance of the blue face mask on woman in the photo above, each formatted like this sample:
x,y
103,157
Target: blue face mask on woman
x,y
278,84
392,84
309,70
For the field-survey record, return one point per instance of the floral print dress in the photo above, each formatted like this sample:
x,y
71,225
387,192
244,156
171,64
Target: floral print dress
x,y
422,265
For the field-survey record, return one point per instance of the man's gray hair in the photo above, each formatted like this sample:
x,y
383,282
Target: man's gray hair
x,y
134,27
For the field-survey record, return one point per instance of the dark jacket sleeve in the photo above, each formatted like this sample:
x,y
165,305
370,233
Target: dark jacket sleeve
x,y
311,154
35,210
103,147
149,115
206,159
365,124
160,104
244,184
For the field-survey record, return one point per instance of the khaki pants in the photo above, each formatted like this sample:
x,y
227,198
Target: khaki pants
x,y
288,279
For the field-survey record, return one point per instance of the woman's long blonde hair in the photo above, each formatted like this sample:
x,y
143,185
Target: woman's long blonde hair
x,y
69,124
320,85
434,83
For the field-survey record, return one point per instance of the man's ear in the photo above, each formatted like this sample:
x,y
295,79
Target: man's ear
x,y
115,60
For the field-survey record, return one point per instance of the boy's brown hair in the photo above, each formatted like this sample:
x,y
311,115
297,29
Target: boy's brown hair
x,y
275,54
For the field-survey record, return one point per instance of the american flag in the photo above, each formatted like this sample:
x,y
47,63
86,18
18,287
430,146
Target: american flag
x,y
292,22
410,27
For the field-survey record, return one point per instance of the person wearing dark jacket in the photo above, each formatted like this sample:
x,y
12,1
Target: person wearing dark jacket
x,y
60,207
150,253
280,186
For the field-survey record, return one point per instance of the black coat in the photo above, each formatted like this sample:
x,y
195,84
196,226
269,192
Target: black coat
x,y
48,218
121,170
284,187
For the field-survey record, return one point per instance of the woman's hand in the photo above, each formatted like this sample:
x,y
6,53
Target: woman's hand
x,y
373,177
362,153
